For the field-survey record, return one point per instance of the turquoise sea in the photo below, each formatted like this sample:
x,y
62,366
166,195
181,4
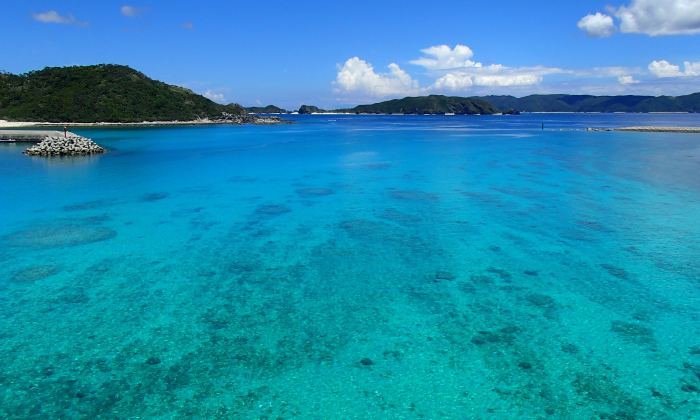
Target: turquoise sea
x,y
356,267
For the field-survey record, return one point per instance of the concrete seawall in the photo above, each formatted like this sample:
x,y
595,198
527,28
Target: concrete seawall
x,y
27,136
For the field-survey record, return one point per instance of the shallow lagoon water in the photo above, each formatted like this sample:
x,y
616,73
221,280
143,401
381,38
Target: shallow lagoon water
x,y
356,267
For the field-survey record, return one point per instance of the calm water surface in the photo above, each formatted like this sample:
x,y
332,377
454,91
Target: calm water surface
x,y
356,267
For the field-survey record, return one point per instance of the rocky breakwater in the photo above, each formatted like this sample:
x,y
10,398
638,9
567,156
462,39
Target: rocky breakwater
x,y
226,118
72,144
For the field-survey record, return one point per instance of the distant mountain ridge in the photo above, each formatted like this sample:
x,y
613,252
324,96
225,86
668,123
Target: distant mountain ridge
x,y
101,93
432,104
590,103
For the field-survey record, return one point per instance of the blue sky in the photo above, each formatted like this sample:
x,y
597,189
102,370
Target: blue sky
x,y
339,54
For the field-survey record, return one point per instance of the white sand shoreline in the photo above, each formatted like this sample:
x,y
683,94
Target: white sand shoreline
x,y
18,124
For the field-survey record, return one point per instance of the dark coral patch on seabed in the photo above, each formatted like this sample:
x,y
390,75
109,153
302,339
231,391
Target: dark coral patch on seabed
x,y
36,273
314,192
413,195
272,210
58,236
154,197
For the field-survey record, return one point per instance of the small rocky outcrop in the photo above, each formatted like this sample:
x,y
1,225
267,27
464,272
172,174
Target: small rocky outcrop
x,y
226,118
309,109
511,111
72,144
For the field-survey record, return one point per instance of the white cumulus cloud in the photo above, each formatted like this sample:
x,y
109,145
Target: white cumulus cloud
x,y
452,69
493,75
216,97
627,80
650,17
131,11
665,69
53,17
598,25
359,76
445,57
692,69
454,82
455,70
660,17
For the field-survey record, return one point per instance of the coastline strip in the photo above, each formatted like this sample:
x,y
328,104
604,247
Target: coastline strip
x,y
660,129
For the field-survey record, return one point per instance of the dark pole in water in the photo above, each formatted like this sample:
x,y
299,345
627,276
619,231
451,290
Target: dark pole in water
x,y
542,126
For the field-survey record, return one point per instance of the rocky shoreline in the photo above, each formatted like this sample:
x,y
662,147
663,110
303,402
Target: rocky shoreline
x,y
70,144
224,118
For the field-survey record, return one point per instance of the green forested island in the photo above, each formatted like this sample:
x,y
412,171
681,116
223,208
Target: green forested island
x,y
100,93
432,104
589,103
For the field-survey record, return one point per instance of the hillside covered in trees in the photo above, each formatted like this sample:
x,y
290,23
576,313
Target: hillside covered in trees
x,y
589,103
432,104
100,93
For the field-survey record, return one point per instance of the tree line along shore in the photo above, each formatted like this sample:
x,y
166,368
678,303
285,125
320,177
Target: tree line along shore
x,y
110,93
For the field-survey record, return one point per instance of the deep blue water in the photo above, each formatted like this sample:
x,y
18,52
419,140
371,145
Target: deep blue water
x,y
356,267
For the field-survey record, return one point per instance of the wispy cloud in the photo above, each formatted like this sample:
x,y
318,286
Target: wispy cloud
x,y
627,80
132,12
187,25
53,17
650,17
216,97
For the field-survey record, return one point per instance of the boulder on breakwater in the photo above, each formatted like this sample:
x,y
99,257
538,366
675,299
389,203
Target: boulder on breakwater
x,y
71,144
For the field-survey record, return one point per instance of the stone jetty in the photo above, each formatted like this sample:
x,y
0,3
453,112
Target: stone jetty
x,y
58,145
694,130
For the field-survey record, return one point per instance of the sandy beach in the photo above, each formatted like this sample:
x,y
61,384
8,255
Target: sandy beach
x,y
14,124
17,124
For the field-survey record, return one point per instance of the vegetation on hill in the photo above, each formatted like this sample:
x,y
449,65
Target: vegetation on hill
x,y
433,104
589,103
309,109
270,109
100,93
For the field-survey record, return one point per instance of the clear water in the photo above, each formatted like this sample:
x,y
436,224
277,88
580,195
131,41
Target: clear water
x,y
356,267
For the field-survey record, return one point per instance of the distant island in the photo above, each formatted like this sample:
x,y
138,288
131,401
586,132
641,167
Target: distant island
x,y
590,103
487,105
432,104
108,93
